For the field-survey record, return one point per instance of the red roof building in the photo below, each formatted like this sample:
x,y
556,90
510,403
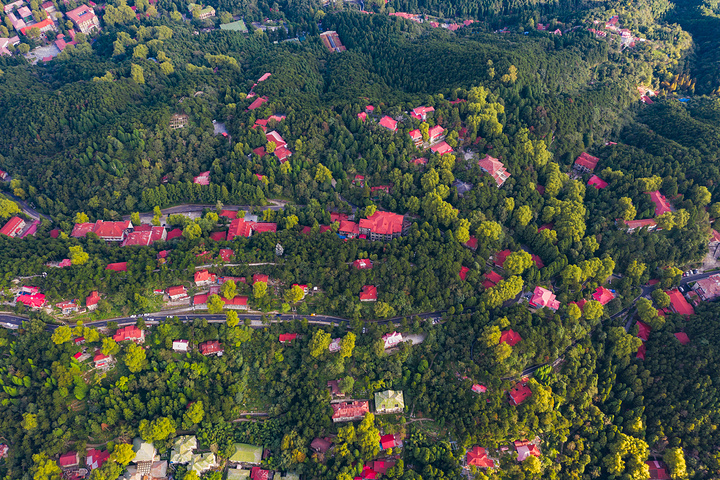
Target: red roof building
x,y
525,449
586,163
91,301
282,154
200,299
441,148
231,214
172,234
69,459
500,257
43,26
519,393
349,411
240,228
131,332
435,133
393,339
363,264
390,441
264,227
177,292
382,466
477,388
388,123
603,295
108,231
362,116
495,168
145,237
648,223
257,103
117,267
204,277
419,161
714,236
226,254
238,302
369,109
678,304
368,293
420,113
682,338
641,352
260,277
538,261
597,182
416,136
543,297
264,77
257,473
276,138
13,227
218,236
383,226
463,272
211,347
658,470
472,242
203,178
349,229
287,337
96,458
84,19
477,457
36,300
661,203
510,337
643,331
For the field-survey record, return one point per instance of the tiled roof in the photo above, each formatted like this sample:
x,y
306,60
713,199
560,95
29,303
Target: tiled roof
x,y
510,337
383,223
643,330
597,182
603,295
520,392
678,304
682,338
354,409
118,267
368,293
388,123
441,148
587,161
477,457
661,203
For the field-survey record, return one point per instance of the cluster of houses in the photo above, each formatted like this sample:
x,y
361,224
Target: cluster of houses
x,y
613,27
28,22
678,305
418,18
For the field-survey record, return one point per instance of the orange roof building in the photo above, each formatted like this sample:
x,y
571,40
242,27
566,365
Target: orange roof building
x,y
349,411
543,297
368,293
661,203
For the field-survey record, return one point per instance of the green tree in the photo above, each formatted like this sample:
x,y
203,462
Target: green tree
x,y
635,271
701,196
675,460
45,468
215,304
574,311
8,208
661,298
137,73
135,357
29,421
294,294
593,310
523,215
192,231
489,230
135,218
109,346
141,51
383,310
517,262
167,68
627,209
319,343
61,334
159,429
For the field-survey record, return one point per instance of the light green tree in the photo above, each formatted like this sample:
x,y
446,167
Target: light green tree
x,y
675,460
319,343
322,174
259,290
195,413
81,217
489,230
29,421
45,468
215,304
517,262
135,357
109,346
122,454
593,310
229,289
574,311
294,294
192,231
348,345
232,319
523,215
61,334
159,429
78,256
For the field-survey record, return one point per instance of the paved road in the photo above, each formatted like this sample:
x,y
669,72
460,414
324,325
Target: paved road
x,y
26,208
14,321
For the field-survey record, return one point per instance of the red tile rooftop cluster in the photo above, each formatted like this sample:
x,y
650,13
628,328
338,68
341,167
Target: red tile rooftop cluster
x,y
586,162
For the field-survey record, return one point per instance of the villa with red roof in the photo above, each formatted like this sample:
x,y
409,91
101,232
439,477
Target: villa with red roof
x,y
383,226
420,113
203,178
500,257
282,154
108,231
416,136
349,411
131,332
510,337
176,293
389,123
211,347
276,138
257,103
35,300
96,458
13,227
472,242
363,264
362,116
390,441
204,277
91,301
69,460
491,279
477,457
84,19
603,295
117,267
368,293
586,163
287,337
145,235
643,331
435,133
519,393
661,203
679,304
543,297
597,182
43,26
226,254
349,229
463,272
441,148
392,339
682,338
240,227
641,352
648,223
495,168
67,307
525,449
